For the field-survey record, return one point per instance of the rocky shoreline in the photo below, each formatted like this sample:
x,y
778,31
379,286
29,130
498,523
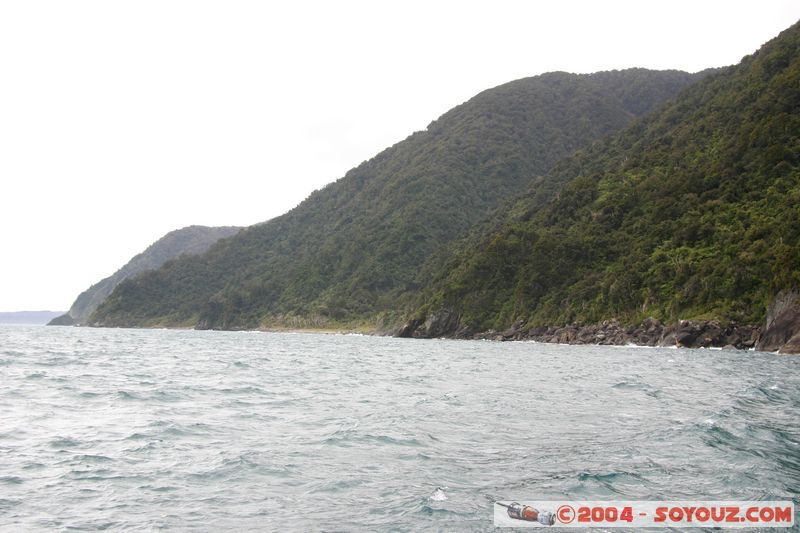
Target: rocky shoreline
x,y
781,332
651,332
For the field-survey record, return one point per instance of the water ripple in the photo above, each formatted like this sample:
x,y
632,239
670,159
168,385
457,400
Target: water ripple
x,y
191,430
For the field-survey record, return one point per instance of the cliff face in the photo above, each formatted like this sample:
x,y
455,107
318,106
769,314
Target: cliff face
x,y
191,240
356,250
782,330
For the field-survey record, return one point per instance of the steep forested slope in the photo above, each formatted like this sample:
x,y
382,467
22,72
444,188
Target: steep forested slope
x,y
353,249
693,212
191,240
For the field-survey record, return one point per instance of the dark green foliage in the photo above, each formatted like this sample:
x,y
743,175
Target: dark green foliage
x,y
692,212
191,240
357,249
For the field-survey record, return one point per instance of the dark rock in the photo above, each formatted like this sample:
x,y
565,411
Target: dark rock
x,y
537,332
792,346
652,325
514,332
651,332
585,335
783,322
685,338
668,337
710,335
677,334
441,323
731,337
485,335
567,334
648,333
64,320
409,328
464,332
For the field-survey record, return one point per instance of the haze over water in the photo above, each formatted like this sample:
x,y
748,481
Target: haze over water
x,y
190,430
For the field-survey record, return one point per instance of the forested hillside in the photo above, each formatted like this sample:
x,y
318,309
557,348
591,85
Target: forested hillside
x,y
693,212
190,240
353,251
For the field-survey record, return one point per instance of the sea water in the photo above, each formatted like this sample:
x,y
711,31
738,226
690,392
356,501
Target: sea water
x,y
250,431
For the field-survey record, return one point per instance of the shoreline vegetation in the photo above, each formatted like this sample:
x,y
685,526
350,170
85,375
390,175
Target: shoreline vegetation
x,y
780,332
780,335
371,242
685,334
627,207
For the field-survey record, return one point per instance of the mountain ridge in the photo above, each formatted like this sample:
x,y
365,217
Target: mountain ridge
x,y
352,251
689,213
191,240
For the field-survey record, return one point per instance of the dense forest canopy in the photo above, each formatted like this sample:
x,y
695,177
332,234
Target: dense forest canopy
x,y
355,251
692,212
190,240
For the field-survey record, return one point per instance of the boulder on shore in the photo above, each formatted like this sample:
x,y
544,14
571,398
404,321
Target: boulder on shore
x,y
792,346
442,323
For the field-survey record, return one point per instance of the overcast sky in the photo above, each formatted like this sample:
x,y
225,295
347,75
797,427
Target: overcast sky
x,y
121,121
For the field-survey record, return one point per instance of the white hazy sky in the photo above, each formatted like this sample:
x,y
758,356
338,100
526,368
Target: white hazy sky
x,y
121,121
